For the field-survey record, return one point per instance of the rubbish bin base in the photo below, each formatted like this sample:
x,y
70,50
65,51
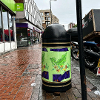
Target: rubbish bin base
x,y
56,87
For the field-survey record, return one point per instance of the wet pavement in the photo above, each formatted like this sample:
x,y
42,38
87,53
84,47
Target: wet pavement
x,y
91,74
18,70
20,78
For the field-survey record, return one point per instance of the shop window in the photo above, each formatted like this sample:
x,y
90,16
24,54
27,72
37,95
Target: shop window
x,y
22,37
11,27
31,37
5,25
1,33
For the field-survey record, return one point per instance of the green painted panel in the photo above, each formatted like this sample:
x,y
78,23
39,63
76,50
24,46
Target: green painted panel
x,y
19,7
56,64
10,4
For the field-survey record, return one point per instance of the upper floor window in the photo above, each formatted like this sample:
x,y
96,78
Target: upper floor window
x,y
48,18
46,13
41,14
42,18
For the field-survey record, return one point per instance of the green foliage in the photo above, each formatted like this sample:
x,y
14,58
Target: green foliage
x,y
75,26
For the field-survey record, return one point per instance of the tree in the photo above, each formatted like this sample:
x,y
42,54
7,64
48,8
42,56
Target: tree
x,y
75,26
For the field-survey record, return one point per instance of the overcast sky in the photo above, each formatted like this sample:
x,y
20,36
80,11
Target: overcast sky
x,y
65,10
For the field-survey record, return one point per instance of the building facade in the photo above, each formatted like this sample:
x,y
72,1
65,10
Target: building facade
x,y
46,18
7,26
28,22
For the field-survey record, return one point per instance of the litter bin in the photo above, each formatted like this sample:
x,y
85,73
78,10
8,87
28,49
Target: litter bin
x,y
56,59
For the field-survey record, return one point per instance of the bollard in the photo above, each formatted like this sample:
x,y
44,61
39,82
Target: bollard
x,y
56,59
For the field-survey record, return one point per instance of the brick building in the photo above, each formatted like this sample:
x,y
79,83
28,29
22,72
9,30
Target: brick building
x,y
46,18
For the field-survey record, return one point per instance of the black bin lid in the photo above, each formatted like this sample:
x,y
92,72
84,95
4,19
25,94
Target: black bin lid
x,y
73,33
55,33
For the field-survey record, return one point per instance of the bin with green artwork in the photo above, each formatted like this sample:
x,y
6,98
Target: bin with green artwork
x,y
56,62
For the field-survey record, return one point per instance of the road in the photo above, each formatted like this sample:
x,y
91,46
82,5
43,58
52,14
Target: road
x,y
90,75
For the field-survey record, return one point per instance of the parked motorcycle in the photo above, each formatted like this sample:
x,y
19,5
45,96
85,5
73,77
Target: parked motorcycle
x,y
91,49
75,50
91,53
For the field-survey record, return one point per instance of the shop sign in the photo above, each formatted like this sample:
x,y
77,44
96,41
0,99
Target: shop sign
x,y
10,4
19,7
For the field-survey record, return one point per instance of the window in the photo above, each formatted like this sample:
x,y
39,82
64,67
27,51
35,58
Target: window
x,y
5,25
11,27
30,17
30,8
1,33
33,11
25,6
42,18
46,23
41,14
49,18
46,13
21,36
26,14
32,20
25,0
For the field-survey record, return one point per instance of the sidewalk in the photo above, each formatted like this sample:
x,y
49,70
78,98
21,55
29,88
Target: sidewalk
x,y
20,78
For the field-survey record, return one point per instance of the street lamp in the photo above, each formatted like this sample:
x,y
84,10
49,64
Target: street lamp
x,y
50,9
81,52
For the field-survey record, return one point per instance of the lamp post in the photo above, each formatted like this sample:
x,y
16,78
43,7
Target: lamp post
x,y
50,9
81,52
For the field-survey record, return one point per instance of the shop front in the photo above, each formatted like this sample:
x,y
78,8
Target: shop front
x,y
27,34
7,26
